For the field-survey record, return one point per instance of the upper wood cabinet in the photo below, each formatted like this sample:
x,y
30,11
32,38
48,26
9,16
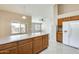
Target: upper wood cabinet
x,y
60,22
37,44
45,41
67,19
74,18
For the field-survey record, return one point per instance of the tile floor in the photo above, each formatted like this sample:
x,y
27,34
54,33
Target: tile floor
x,y
58,48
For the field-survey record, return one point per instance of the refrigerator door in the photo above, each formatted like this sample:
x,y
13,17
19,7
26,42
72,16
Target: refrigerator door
x,y
66,32
74,36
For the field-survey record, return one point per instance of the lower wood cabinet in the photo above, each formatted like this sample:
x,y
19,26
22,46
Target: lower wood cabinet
x,y
9,48
25,48
37,44
12,50
45,41
59,36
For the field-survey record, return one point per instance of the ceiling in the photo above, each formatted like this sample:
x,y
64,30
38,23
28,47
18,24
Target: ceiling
x,y
29,9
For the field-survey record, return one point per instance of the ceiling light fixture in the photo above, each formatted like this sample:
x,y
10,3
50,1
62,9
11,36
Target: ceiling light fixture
x,y
23,17
24,11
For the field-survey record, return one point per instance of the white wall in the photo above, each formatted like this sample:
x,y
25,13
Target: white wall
x,y
38,11
45,23
5,20
67,10
53,22
49,25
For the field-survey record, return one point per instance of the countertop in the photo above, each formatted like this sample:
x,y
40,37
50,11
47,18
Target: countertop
x,y
14,38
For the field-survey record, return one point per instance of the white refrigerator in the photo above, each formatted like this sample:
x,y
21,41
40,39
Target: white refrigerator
x,y
71,33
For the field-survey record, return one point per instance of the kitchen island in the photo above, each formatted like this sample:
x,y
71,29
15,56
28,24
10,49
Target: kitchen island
x,y
24,44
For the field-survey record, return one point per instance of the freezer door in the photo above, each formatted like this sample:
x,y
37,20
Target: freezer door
x,y
74,37
66,33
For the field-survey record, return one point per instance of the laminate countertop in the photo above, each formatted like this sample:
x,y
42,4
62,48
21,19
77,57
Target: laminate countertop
x,y
14,38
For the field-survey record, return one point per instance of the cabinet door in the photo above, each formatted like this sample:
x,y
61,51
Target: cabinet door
x,y
12,50
60,22
37,44
59,36
25,48
45,41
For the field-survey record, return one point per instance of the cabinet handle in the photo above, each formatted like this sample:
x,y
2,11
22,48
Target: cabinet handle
x,y
65,31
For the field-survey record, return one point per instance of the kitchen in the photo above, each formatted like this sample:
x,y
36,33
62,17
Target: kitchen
x,y
39,29
22,34
34,31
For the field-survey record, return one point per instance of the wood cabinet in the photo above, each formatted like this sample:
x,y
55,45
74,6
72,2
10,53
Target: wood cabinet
x,y
40,43
25,46
74,18
59,30
67,19
59,36
45,41
8,45
12,50
60,24
37,44
9,48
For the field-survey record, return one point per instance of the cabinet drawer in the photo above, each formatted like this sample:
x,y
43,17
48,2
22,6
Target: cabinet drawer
x,y
45,36
38,37
24,41
8,45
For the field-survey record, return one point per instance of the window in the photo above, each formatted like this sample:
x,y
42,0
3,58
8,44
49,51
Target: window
x,y
23,28
18,28
36,27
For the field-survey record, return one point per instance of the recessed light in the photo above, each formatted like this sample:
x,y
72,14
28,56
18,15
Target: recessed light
x,y
24,17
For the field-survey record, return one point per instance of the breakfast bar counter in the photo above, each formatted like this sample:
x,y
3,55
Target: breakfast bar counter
x,y
24,44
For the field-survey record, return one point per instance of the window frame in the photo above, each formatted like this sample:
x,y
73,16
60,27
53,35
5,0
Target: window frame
x,y
20,29
34,30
